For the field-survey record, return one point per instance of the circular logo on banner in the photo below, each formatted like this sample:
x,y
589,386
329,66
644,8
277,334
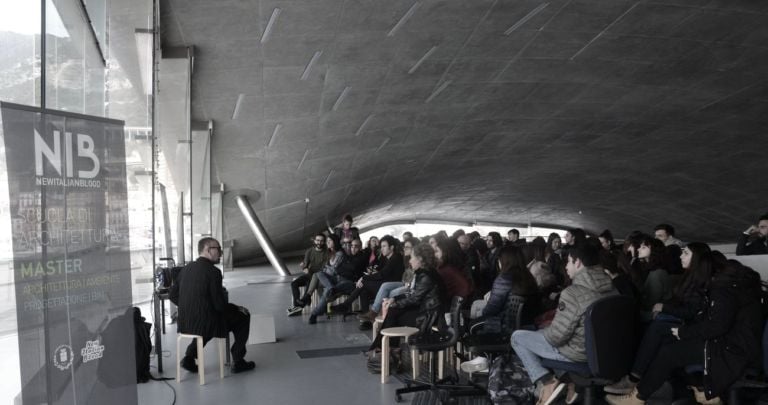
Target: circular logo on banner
x,y
62,357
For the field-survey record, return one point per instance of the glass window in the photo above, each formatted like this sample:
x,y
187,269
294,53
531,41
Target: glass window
x,y
20,45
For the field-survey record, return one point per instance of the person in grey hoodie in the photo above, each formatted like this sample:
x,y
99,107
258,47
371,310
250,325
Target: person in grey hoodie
x,y
564,339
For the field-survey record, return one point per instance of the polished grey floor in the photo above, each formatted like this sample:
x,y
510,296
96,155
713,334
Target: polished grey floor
x,y
280,377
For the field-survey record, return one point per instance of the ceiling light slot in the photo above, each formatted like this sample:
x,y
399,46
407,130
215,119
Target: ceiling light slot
x,y
525,19
341,98
270,25
423,58
325,183
383,144
404,19
306,153
278,127
363,125
238,104
311,63
438,90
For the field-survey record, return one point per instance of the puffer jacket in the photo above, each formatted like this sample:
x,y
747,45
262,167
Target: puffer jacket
x,y
566,332
731,327
427,293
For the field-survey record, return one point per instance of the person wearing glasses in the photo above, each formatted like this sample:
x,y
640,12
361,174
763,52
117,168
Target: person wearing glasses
x,y
204,310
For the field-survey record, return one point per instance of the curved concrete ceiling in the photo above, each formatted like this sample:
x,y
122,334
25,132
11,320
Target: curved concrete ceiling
x,y
600,114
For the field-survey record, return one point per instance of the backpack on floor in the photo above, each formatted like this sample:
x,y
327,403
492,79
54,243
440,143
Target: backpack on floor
x,y
508,382
143,346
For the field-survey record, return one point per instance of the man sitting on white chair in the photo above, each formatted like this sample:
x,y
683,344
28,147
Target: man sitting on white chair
x,y
203,308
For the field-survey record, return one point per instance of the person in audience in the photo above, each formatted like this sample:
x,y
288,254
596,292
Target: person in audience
x,y
514,278
458,233
333,246
204,310
450,266
425,302
754,241
666,234
494,244
689,299
346,232
338,277
564,339
314,259
535,252
407,235
554,259
725,338
657,287
371,251
513,238
392,289
606,240
575,237
472,263
391,268
620,280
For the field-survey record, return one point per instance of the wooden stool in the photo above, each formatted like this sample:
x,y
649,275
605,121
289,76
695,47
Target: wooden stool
x,y
200,356
376,326
403,331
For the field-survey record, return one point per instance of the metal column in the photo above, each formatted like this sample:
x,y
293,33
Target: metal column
x,y
261,235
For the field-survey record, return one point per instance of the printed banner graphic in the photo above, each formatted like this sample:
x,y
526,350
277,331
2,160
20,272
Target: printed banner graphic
x,y
71,258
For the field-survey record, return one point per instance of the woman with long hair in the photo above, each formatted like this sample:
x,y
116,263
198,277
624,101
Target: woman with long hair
x,y
554,259
649,255
426,296
391,289
514,277
688,300
724,336
450,266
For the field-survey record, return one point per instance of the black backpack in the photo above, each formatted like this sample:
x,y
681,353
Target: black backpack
x,y
143,346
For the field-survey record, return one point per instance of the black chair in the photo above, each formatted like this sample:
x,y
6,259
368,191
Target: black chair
x,y
433,342
610,343
498,342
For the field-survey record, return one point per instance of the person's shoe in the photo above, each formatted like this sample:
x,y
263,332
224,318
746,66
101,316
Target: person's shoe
x,y
629,399
365,325
550,392
475,365
312,319
298,303
243,365
571,396
188,363
369,316
702,399
621,387
293,311
340,308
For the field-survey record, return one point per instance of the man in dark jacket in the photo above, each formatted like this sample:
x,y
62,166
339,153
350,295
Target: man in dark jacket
x,y
343,282
203,307
391,268
754,241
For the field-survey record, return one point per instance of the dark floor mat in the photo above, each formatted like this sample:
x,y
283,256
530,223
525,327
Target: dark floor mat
x,y
331,352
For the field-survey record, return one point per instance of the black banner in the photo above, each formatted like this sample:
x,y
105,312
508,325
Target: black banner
x,y
71,258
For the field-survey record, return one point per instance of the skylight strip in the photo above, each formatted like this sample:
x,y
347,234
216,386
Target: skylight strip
x,y
525,19
270,25
404,19
423,58
311,63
